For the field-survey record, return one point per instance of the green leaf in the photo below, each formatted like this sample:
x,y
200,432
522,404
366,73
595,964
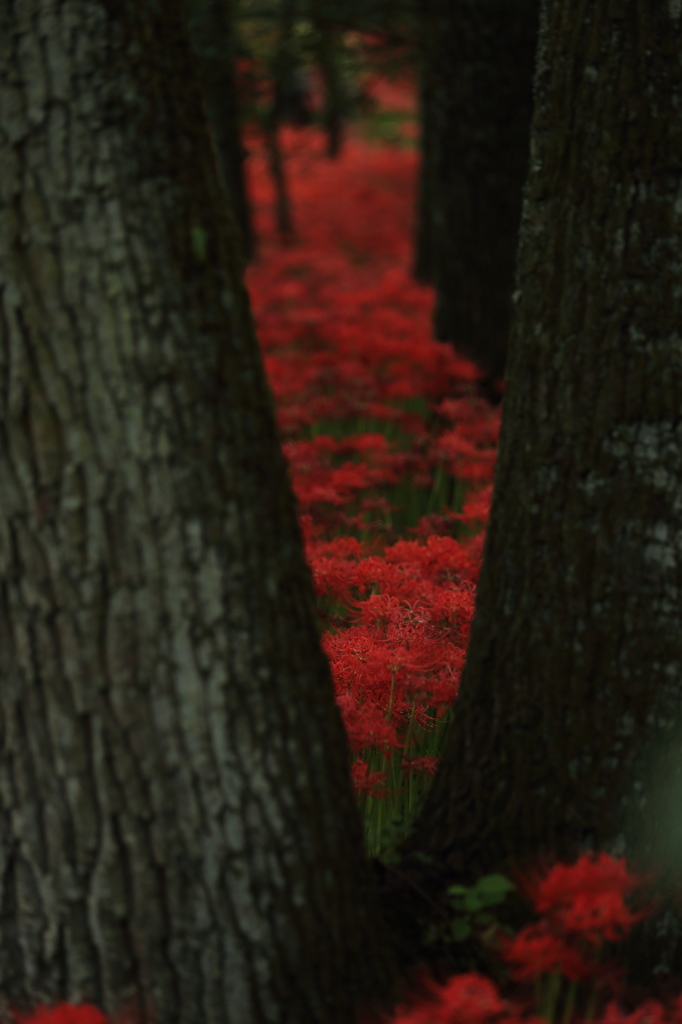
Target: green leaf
x,y
199,242
484,918
432,934
461,929
473,901
496,884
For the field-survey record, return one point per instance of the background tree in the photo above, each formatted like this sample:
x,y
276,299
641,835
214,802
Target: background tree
x,y
424,242
289,42
567,734
327,46
177,825
211,26
478,58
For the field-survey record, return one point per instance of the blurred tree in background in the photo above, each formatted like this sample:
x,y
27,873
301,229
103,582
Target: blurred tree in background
x,y
212,33
309,61
477,59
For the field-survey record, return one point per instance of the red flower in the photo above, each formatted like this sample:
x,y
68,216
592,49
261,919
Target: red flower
x,y
535,951
62,1013
588,897
464,999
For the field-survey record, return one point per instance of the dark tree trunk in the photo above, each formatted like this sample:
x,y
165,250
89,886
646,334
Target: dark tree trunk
x,y
568,730
285,107
334,105
178,830
424,255
481,57
283,215
211,24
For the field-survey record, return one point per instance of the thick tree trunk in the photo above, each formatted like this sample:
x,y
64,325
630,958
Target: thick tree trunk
x,y
211,24
568,729
178,830
481,60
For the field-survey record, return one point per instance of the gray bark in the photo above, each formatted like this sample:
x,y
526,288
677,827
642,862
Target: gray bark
x,y
178,832
568,732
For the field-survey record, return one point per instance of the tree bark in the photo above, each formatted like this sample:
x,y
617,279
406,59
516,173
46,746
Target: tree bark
x,y
568,730
211,25
481,60
178,832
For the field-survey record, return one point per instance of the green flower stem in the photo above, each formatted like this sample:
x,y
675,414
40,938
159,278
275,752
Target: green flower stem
x,y
550,995
390,699
592,1003
570,1002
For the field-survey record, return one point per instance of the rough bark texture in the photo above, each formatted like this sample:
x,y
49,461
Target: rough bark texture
x,y
177,826
211,24
568,732
481,58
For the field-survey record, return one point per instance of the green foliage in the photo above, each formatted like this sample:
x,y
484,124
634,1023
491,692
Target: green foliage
x,y
470,906
199,238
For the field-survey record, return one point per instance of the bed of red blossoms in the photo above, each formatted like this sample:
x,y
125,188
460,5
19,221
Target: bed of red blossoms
x,y
386,438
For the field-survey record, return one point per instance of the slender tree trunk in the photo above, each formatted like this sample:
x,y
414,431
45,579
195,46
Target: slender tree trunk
x,y
333,85
568,731
285,104
424,255
481,57
178,831
283,215
211,24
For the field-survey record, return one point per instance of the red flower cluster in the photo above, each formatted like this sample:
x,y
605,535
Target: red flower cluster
x,y
581,901
367,402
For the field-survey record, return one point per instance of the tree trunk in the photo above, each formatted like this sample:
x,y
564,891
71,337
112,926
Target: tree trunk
x,y
334,104
178,831
424,256
211,24
285,106
481,58
568,731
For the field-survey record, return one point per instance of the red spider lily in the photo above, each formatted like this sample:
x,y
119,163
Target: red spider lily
x,y
62,1013
464,999
420,764
649,1012
346,333
365,781
588,897
536,950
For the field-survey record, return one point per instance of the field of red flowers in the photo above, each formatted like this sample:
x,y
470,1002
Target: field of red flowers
x,y
390,448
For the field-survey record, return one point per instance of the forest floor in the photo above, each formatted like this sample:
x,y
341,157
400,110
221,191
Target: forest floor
x,y
391,449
